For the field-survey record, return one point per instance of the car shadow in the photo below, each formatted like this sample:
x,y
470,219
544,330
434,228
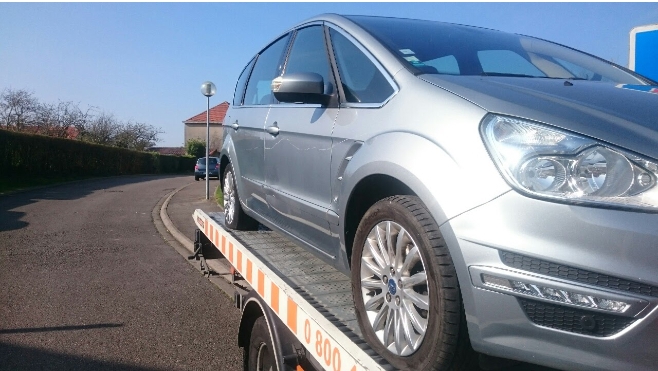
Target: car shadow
x,y
11,218
16,357
58,328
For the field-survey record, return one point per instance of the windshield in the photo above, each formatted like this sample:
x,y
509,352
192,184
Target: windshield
x,y
442,48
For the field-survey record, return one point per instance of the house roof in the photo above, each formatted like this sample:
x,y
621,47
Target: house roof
x,y
70,132
217,115
176,151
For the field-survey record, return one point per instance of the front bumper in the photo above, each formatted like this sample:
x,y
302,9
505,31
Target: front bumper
x,y
211,173
600,254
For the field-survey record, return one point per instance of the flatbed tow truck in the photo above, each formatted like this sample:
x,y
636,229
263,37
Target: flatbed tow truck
x,y
297,311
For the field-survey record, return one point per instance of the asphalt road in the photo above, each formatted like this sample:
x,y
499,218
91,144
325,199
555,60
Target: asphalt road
x,y
86,282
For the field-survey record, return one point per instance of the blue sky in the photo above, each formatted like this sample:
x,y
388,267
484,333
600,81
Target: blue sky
x,y
145,62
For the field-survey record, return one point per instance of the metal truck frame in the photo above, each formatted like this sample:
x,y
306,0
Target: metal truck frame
x,y
306,304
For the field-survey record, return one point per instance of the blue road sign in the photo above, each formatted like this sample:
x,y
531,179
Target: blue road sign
x,y
643,57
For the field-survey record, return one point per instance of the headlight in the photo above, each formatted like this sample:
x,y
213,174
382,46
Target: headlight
x,y
557,165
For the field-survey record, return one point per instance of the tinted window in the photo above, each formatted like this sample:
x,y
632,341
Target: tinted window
x,y
447,65
479,51
309,54
580,71
361,80
242,84
506,62
268,66
211,161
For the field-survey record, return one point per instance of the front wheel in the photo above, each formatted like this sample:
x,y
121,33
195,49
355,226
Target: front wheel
x,y
405,289
234,216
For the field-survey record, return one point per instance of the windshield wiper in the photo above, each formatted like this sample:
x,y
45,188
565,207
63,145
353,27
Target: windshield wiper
x,y
562,78
534,77
507,74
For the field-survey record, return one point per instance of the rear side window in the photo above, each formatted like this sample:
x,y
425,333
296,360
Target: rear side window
x,y
361,79
242,84
268,66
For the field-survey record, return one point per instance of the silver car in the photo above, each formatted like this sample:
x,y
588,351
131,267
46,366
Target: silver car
x,y
487,192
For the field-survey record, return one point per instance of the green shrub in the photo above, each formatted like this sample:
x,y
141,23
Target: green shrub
x,y
25,154
195,148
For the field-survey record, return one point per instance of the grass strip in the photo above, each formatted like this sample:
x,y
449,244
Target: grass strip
x,y
219,197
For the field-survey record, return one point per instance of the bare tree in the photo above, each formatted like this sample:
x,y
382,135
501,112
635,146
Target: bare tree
x,y
61,120
102,129
17,108
20,111
138,136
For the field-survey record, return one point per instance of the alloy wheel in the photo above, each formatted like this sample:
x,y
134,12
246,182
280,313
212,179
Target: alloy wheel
x,y
394,287
229,197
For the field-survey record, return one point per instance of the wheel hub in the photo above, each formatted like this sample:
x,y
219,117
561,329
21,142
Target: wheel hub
x,y
392,289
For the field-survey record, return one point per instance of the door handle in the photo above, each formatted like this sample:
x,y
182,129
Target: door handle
x,y
274,130
235,125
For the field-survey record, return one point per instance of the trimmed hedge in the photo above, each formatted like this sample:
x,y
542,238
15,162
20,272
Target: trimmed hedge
x,y
23,154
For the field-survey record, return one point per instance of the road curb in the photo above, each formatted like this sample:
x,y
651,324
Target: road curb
x,y
223,279
171,228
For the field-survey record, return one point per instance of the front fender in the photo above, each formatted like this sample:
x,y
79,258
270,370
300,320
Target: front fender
x,y
228,149
448,185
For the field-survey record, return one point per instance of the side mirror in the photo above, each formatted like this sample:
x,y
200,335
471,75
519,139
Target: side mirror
x,y
301,87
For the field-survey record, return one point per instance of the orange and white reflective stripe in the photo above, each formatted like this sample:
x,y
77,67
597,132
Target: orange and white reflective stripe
x,y
328,345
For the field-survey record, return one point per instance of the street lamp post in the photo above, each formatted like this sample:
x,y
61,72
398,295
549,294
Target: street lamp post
x,y
208,89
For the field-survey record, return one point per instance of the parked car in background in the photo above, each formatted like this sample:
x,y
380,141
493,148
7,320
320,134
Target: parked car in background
x,y
200,168
486,192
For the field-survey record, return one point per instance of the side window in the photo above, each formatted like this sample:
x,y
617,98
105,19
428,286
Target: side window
x,y
268,66
506,62
242,84
309,54
361,79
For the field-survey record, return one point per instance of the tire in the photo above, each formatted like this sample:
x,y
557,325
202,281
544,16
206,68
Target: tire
x,y
196,178
234,216
431,332
260,356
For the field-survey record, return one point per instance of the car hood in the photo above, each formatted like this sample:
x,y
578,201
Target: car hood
x,y
622,115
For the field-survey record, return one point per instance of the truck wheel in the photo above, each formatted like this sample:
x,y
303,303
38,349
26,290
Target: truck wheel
x,y
261,350
405,289
234,216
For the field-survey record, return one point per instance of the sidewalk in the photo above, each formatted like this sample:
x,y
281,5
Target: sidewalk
x,y
172,217
182,204
176,215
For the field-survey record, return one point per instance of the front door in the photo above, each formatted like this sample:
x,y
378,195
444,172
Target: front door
x,y
298,151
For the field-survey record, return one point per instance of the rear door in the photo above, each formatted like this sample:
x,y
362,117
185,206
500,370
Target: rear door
x,y
246,123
